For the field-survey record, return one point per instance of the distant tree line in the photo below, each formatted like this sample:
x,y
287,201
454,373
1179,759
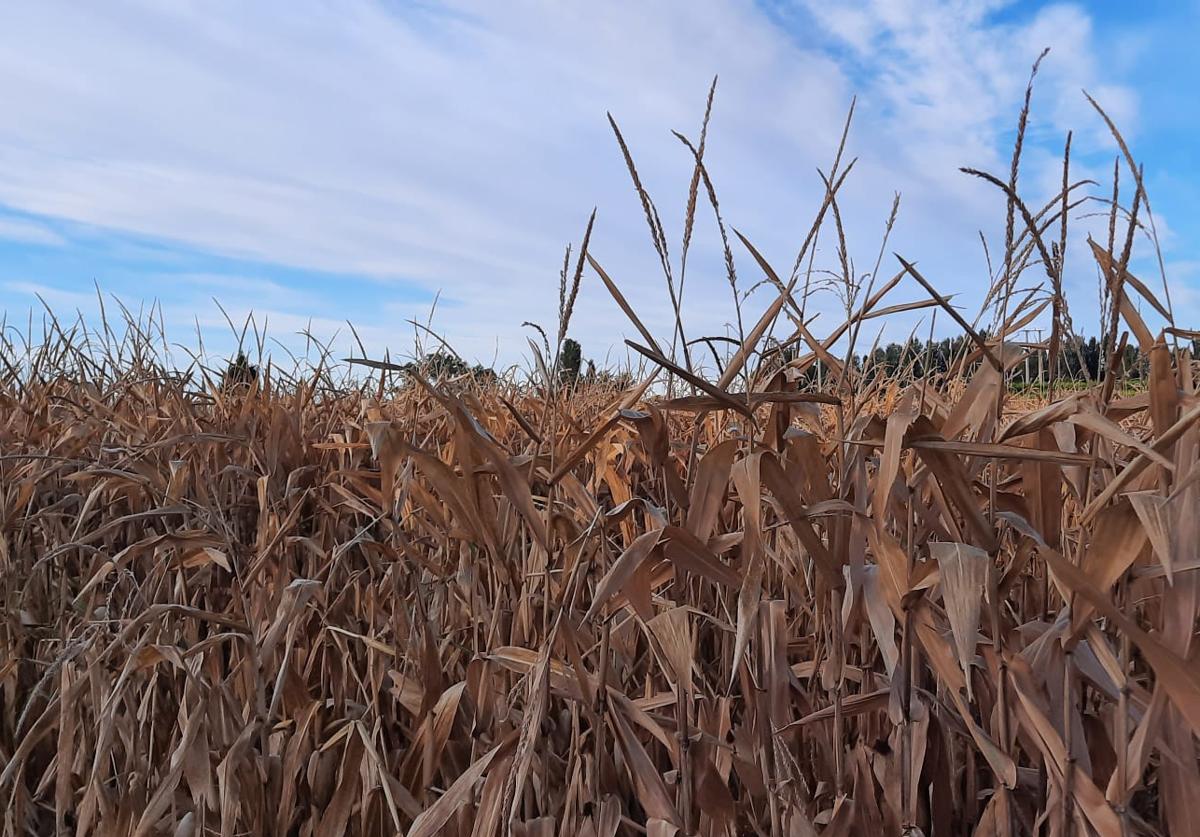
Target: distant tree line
x,y
1078,359
444,364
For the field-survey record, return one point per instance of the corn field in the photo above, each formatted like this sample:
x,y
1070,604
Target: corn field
x,y
726,599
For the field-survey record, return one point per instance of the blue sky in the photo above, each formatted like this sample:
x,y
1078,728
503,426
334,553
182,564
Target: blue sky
x,y
318,162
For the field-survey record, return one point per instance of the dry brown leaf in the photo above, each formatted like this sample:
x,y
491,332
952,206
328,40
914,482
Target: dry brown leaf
x,y
964,577
432,819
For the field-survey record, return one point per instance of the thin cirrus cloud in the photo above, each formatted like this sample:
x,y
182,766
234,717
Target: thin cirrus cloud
x,y
29,232
317,162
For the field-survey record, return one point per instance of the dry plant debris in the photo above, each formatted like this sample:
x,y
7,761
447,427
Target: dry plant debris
x,y
748,602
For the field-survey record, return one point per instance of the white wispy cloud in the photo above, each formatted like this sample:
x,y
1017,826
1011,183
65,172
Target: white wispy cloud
x,y
71,300
460,146
29,232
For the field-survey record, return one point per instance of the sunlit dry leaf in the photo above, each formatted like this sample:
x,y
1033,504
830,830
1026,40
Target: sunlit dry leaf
x,y
964,572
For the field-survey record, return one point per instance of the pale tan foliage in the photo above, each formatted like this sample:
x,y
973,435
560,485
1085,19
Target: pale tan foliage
x,y
300,605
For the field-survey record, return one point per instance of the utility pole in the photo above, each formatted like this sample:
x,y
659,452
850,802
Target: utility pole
x,y
1028,343
1040,356
1027,360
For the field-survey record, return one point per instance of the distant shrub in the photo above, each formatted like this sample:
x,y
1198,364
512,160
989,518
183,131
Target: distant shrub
x,y
239,373
443,364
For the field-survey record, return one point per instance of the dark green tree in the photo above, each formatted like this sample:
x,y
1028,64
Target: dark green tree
x,y
239,372
570,361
